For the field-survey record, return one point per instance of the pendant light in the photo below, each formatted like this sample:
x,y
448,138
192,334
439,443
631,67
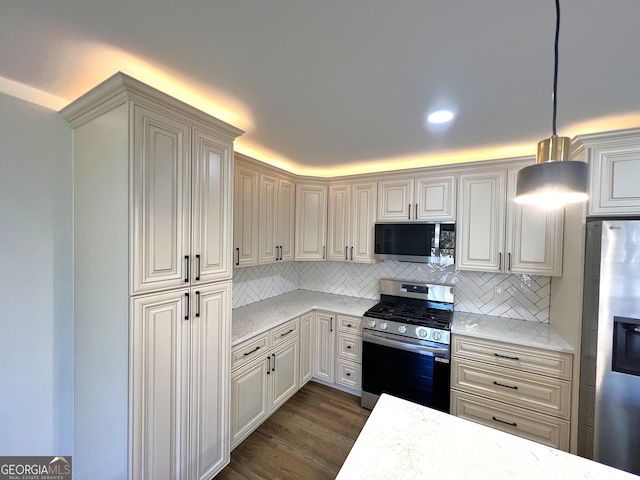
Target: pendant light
x,y
554,180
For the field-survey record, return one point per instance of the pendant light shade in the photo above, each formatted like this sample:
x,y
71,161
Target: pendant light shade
x,y
554,180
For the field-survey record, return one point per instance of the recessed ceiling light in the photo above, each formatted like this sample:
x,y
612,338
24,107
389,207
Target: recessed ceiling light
x,y
441,116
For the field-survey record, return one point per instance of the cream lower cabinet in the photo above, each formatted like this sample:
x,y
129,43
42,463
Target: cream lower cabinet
x,y
349,352
265,375
520,390
180,375
324,346
306,347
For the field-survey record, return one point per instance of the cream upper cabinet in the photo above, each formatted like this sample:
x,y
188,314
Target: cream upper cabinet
x,y
267,233
211,204
534,238
245,216
614,167
351,221
422,198
162,200
481,216
494,234
435,198
286,218
180,234
277,209
311,221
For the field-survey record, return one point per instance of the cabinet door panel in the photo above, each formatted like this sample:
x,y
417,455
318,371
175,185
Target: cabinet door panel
x,y
285,374
306,347
311,222
480,235
324,357
211,218
267,219
395,200
210,340
161,200
160,342
245,217
534,236
435,199
286,219
249,400
363,206
339,222
614,188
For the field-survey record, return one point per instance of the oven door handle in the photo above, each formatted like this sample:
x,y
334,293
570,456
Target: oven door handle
x,y
406,345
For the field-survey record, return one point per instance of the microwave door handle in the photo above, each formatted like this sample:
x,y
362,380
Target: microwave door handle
x,y
436,240
403,345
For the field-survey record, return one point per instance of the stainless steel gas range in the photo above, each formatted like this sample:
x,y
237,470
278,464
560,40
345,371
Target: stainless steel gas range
x,y
405,344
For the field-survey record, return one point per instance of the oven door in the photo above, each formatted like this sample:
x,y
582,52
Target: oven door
x,y
414,370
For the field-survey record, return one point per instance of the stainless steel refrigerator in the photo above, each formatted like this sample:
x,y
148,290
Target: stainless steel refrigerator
x,y
609,412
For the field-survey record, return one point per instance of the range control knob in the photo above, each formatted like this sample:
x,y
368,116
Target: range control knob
x,y
422,332
383,326
402,329
372,324
436,335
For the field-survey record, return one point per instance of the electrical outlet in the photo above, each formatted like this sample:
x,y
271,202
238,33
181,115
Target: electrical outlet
x,y
499,290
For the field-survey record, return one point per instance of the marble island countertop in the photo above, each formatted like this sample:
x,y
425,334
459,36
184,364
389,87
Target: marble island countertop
x,y
403,440
261,316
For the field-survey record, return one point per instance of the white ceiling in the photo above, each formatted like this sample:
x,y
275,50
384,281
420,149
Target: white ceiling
x,y
323,84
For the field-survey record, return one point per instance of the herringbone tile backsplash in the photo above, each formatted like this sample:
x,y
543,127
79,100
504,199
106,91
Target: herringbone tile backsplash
x,y
523,297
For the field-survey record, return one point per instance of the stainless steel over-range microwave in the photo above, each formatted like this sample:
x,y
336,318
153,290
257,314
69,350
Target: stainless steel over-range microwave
x,y
415,242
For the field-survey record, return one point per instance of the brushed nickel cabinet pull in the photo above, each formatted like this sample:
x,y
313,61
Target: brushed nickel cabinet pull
x,y
197,304
197,267
186,306
186,268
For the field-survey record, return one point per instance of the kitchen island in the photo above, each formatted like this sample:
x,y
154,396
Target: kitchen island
x,y
403,440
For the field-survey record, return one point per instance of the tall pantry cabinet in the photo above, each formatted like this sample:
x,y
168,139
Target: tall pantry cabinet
x,y
152,293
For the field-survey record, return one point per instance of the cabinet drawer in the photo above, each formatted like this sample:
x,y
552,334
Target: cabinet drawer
x,y
350,347
517,421
248,350
534,392
349,324
285,331
526,359
349,374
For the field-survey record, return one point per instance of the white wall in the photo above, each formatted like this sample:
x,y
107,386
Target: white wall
x,y
36,318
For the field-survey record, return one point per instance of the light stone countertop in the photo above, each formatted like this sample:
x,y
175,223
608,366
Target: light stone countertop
x,y
519,332
261,316
403,440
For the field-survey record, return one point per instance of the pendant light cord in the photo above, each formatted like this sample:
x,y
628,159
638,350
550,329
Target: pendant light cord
x,y
555,67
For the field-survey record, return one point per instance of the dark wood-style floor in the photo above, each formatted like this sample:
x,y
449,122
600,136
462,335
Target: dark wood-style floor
x,y
307,438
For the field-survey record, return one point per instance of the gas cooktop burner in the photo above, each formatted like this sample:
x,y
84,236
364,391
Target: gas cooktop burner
x,y
411,314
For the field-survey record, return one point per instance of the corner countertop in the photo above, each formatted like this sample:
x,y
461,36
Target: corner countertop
x,y
261,316
519,332
398,439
